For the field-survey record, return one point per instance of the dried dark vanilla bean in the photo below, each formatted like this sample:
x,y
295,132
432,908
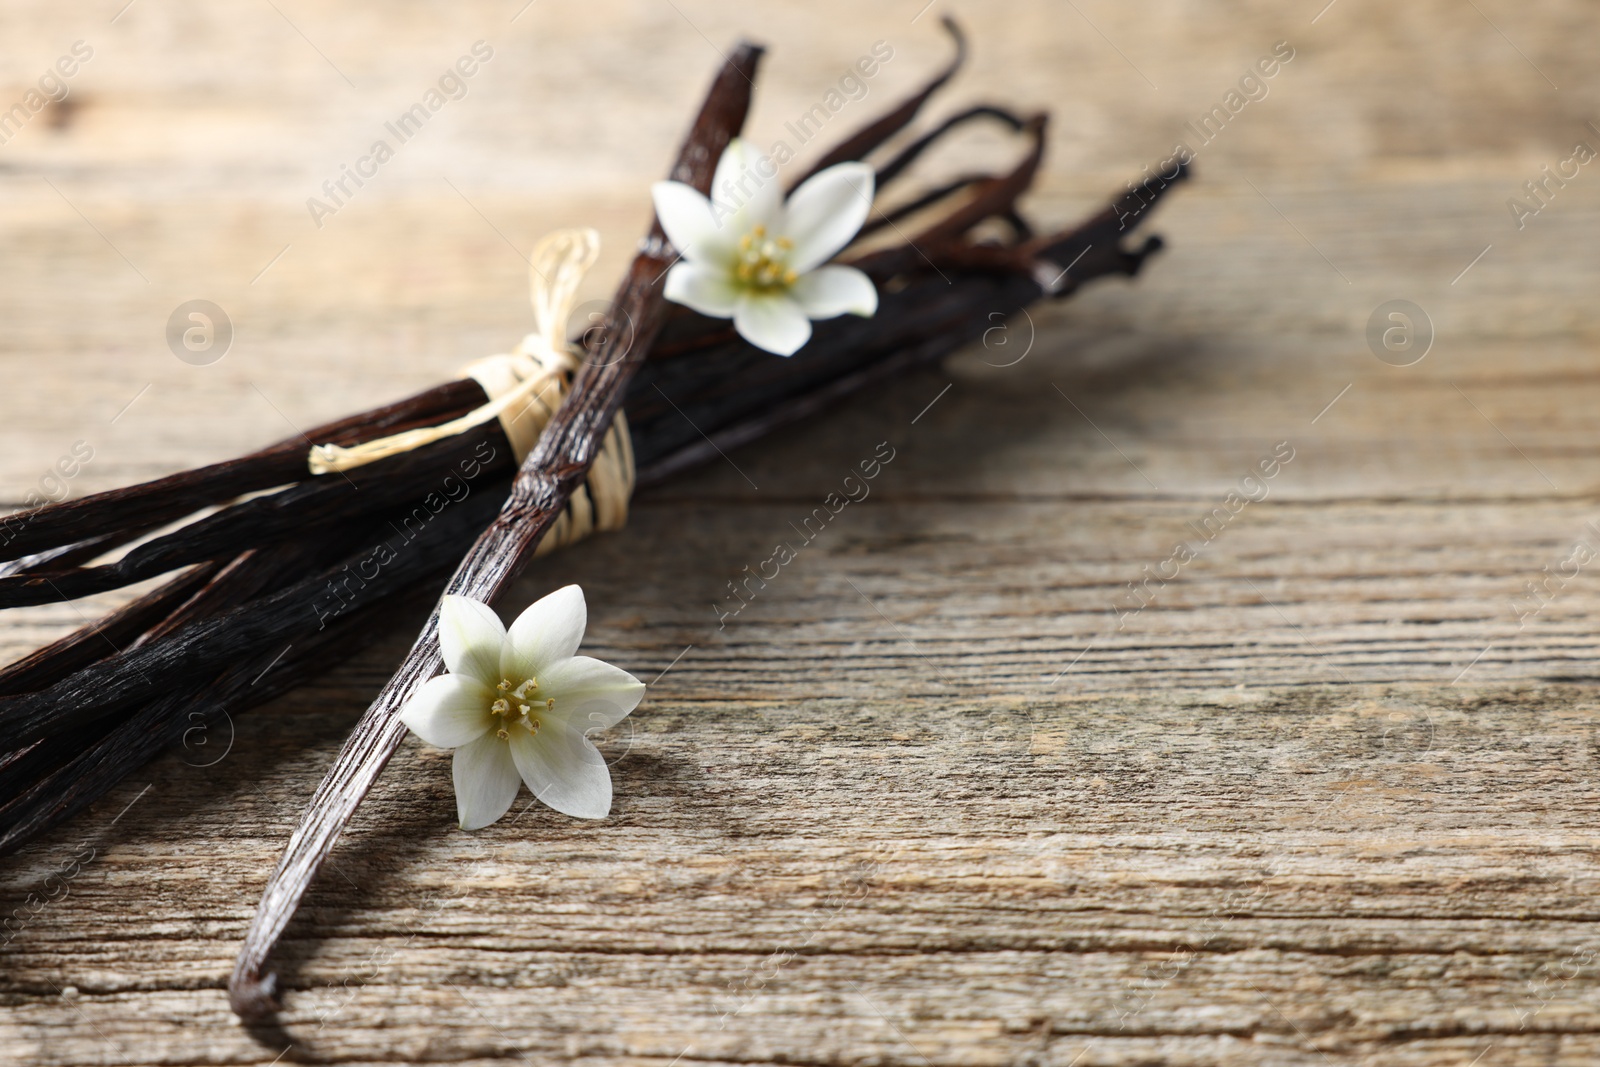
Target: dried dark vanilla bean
x,y
557,465
82,647
296,511
175,496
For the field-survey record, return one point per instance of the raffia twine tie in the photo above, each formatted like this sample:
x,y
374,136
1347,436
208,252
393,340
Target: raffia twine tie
x,y
525,387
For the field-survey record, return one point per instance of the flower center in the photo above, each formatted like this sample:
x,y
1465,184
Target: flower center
x,y
763,261
519,706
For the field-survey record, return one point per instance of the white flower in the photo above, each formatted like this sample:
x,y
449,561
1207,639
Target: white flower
x,y
515,706
760,264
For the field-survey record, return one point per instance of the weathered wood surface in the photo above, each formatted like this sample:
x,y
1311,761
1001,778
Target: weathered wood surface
x,y
1325,800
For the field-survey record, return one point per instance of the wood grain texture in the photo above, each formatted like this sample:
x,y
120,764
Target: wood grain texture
x,y
1327,799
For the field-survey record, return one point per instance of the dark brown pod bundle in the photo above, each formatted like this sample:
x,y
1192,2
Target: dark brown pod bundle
x,y
244,612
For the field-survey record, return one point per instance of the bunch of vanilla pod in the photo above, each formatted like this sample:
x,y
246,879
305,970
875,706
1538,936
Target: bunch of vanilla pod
x,y
263,584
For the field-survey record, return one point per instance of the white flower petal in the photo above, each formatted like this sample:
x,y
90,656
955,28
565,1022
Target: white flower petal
x,y
486,781
826,213
736,159
591,694
449,711
706,288
772,321
742,185
564,770
691,225
829,291
544,635
470,636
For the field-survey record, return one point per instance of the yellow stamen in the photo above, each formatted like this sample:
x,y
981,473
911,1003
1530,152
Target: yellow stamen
x,y
760,263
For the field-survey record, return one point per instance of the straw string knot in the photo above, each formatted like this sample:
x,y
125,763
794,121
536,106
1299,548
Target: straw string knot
x,y
524,388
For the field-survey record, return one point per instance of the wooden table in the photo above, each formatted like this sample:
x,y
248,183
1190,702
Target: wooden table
x,y
937,795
